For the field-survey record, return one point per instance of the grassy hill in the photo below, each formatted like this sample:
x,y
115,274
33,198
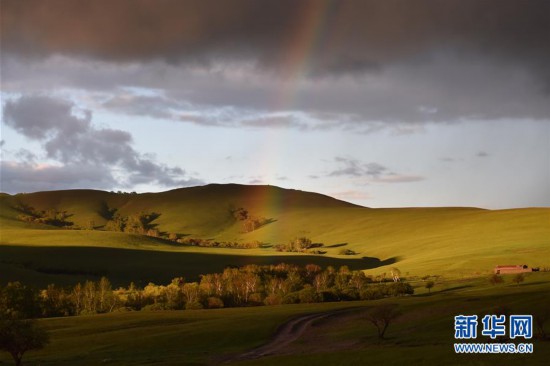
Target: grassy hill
x,y
451,241
423,335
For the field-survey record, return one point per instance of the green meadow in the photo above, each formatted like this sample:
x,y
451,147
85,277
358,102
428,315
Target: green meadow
x,y
423,335
457,246
454,242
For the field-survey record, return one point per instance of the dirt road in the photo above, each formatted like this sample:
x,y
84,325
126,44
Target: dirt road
x,y
288,333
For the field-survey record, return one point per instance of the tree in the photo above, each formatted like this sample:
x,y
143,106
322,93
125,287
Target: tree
x,y
116,223
19,336
429,286
396,274
382,316
495,279
18,300
141,223
519,278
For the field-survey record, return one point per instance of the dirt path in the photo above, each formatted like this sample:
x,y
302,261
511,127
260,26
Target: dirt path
x,y
288,333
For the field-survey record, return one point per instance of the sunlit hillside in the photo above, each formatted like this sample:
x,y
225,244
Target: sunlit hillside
x,y
452,241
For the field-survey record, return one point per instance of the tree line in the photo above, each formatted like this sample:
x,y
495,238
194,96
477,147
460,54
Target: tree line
x,y
47,217
251,285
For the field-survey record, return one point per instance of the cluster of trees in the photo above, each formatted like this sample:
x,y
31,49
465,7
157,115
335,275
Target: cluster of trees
x,y
140,223
250,285
301,244
496,279
219,244
249,222
48,217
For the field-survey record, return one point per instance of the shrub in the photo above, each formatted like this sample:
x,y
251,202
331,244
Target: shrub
x,y
255,299
273,299
154,307
519,278
495,279
308,295
291,298
195,305
214,302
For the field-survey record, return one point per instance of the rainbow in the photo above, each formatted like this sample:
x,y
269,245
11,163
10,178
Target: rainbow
x,y
310,32
306,37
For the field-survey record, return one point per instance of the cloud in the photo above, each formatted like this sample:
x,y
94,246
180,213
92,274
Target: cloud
x,y
375,172
350,36
354,168
69,138
255,99
368,66
482,154
31,177
37,117
399,178
142,105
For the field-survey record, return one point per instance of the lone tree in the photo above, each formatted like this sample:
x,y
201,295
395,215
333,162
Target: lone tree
x,y
382,316
19,336
495,279
519,278
429,286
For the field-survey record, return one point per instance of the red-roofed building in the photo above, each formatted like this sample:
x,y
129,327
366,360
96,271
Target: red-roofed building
x,y
519,268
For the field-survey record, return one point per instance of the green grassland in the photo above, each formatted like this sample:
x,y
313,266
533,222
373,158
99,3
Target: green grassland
x,y
456,242
423,335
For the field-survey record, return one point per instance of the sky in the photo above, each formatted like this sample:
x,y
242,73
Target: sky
x,y
391,103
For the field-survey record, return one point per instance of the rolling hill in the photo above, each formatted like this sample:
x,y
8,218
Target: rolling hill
x,y
450,241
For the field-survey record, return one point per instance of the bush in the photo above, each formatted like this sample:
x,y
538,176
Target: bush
x,y
214,302
273,300
400,289
154,307
193,306
256,299
495,279
291,298
308,295
373,292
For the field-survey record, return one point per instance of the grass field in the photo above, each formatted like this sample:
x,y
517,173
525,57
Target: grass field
x,y
455,242
422,336
42,265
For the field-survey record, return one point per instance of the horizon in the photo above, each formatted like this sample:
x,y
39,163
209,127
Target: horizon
x,y
264,185
374,103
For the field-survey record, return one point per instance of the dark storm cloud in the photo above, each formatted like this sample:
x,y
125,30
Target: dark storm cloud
x,y
343,36
75,142
369,65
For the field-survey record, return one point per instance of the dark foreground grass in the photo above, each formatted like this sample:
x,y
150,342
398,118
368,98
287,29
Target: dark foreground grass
x,y
64,265
422,336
